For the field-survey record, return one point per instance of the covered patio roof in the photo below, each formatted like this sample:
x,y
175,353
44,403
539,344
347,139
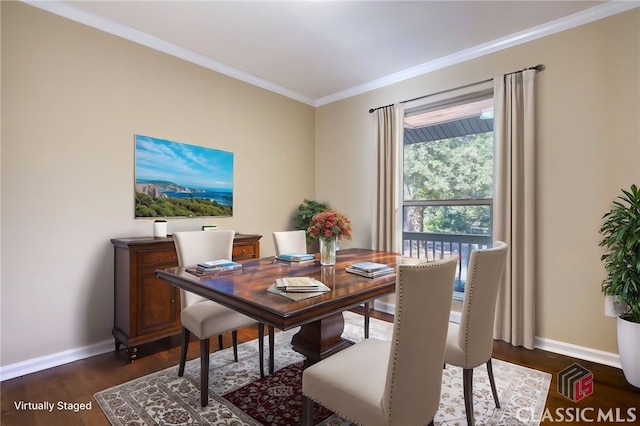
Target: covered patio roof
x,y
450,129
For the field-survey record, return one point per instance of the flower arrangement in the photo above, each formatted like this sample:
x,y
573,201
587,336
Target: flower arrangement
x,y
329,224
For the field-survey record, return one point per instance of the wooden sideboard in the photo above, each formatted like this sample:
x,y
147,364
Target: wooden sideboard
x,y
145,307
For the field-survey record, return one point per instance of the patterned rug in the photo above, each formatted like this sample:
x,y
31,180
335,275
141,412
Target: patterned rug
x,y
237,395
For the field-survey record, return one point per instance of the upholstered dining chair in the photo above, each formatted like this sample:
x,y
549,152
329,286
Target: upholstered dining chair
x,y
470,343
290,241
201,316
285,242
376,382
296,242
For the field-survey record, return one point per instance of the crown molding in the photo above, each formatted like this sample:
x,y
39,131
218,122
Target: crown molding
x,y
593,14
144,39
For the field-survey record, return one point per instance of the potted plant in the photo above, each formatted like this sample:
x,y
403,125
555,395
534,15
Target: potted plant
x,y
307,210
621,239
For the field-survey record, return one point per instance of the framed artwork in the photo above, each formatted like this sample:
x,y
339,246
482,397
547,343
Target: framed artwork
x,y
174,179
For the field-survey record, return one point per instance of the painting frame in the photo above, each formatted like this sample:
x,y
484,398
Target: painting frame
x,y
178,180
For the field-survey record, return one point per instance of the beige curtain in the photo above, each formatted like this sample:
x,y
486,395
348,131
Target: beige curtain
x,y
386,224
515,205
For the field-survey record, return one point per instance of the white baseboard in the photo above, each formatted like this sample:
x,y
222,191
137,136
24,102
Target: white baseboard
x,y
388,308
562,348
48,361
580,352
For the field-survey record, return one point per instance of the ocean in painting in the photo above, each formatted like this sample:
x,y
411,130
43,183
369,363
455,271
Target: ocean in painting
x,y
224,198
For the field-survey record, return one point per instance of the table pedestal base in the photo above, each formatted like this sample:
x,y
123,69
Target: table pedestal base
x,y
320,339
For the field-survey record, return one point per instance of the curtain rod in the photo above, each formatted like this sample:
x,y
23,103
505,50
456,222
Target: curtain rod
x,y
538,68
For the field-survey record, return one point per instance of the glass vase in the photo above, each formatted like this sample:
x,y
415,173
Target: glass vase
x,y
328,251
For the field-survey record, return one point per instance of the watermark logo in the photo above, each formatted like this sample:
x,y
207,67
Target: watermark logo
x,y
575,382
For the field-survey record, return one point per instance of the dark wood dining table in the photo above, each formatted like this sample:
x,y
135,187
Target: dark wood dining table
x,y
320,317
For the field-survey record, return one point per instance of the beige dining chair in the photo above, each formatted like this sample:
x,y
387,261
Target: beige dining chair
x,y
290,241
203,317
397,382
470,343
296,242
285,242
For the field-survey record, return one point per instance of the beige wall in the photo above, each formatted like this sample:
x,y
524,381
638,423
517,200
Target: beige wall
x,y
588,148
72,99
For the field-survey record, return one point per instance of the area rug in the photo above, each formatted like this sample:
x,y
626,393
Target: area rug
x,y
237,395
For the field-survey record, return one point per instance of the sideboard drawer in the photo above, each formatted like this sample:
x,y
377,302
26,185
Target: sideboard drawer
x,y
158,257
244,251
246,246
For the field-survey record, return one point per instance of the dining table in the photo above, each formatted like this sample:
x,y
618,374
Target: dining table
x,y
251,292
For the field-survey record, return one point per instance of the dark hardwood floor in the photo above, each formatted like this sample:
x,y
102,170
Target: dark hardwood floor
x,y
77,382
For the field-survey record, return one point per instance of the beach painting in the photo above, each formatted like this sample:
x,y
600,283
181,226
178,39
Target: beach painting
x,y
174,179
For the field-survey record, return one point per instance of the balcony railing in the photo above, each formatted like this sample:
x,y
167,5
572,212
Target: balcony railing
x,y
438,245
435,245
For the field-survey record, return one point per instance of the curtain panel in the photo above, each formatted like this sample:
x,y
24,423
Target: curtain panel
x,y
386,224
515,205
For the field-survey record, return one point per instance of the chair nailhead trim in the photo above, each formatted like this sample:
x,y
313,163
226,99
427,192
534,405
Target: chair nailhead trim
x,y
398,319
338,412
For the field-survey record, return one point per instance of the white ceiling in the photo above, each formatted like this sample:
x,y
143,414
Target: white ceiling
x,y
318,52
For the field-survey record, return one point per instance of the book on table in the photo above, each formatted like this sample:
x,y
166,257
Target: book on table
x,y
369,266
296,257
300,285
209,274
218,265
370,269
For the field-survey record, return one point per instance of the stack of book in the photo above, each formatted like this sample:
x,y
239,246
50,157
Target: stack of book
x,y
296,257
370,269
220,265
300,285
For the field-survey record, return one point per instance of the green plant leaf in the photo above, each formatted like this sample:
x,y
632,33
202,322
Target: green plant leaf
x,y
620,231
306,211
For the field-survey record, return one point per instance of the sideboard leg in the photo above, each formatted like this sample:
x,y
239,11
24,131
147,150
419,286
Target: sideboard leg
x,y
132,353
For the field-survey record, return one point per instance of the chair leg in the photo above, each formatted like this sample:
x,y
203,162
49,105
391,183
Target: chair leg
x,y
366,320
234,339
467,385
204,372
186,334
220,345
261,347
493,383
307,411
272,345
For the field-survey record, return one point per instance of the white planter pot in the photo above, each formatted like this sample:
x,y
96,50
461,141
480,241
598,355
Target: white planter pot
x,y
629,349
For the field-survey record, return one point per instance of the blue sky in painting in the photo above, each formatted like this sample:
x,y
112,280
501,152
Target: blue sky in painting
x,y
186,165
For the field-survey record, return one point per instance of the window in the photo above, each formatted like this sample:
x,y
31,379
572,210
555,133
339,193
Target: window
x,y
448,179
